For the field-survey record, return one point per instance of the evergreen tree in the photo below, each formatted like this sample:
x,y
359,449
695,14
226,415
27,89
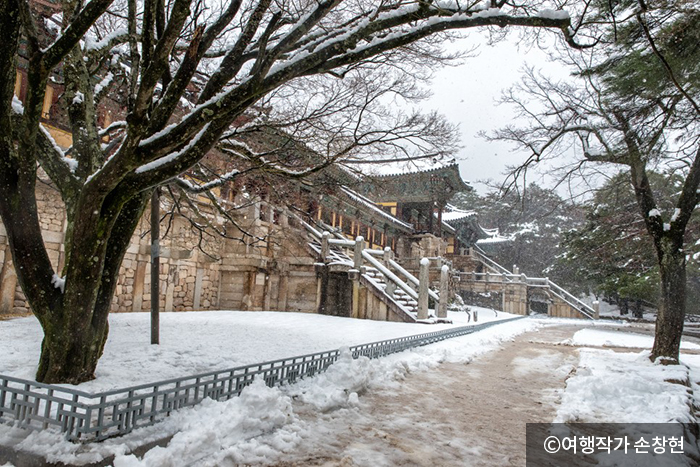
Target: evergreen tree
x,y
612,254
633,104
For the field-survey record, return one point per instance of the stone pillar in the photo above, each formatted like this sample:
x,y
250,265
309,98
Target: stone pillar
x,y
359,247
283,294
596,308
8,284
325,246
269,210
423,279
390,285
267,292
444,293
357,260
139,280
388,256
248,291
198,289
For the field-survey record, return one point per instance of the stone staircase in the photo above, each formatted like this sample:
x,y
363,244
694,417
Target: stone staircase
x,y
339,255
521,288
399,296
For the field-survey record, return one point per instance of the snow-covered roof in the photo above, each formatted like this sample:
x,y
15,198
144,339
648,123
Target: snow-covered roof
x,y
368,203
405,167
457,215
495,239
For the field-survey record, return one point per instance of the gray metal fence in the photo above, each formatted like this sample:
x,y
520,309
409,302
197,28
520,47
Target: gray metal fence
x,y
92,417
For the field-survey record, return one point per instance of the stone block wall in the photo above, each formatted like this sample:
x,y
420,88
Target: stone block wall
x,y
269,267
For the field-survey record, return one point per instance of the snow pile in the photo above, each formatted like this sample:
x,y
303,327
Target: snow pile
x,y
338,386
600,338
611,387
225,425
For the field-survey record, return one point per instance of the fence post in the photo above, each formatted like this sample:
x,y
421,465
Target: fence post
x,y
423,279
390,285
444,293
388,256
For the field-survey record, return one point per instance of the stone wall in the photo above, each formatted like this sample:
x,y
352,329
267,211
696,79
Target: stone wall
x,y
268,267
489,299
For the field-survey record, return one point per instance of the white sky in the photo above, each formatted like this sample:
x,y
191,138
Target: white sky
x,y
467,95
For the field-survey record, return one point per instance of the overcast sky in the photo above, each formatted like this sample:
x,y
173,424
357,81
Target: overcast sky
x,y
467,95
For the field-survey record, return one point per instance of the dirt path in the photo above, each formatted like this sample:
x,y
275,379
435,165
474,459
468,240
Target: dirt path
x,y
455,415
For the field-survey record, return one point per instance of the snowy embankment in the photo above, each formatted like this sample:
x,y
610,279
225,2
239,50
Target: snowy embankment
x,y
261,424
626,387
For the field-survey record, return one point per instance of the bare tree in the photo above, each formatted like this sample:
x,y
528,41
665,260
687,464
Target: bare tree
x,y
631,105
189,70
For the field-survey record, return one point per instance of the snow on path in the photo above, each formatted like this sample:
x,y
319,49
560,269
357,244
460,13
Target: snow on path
x,y
454,415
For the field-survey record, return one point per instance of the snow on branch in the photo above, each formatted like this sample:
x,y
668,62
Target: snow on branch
x,y
118,36
173,156
196,188
71,164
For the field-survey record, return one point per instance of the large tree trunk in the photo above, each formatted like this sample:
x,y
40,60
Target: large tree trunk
x,y
69,355
671,314
75,336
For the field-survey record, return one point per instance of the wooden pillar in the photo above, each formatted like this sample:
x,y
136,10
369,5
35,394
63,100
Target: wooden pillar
x,y
429,211
423,278
440,207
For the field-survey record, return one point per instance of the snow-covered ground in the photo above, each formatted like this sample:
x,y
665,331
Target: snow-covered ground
x,y
265,423
600,338
198,342
625,388
260,425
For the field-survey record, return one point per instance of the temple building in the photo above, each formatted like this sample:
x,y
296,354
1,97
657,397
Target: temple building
x,y
383,247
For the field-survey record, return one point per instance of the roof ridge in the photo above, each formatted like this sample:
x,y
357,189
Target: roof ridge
x,y
434,169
